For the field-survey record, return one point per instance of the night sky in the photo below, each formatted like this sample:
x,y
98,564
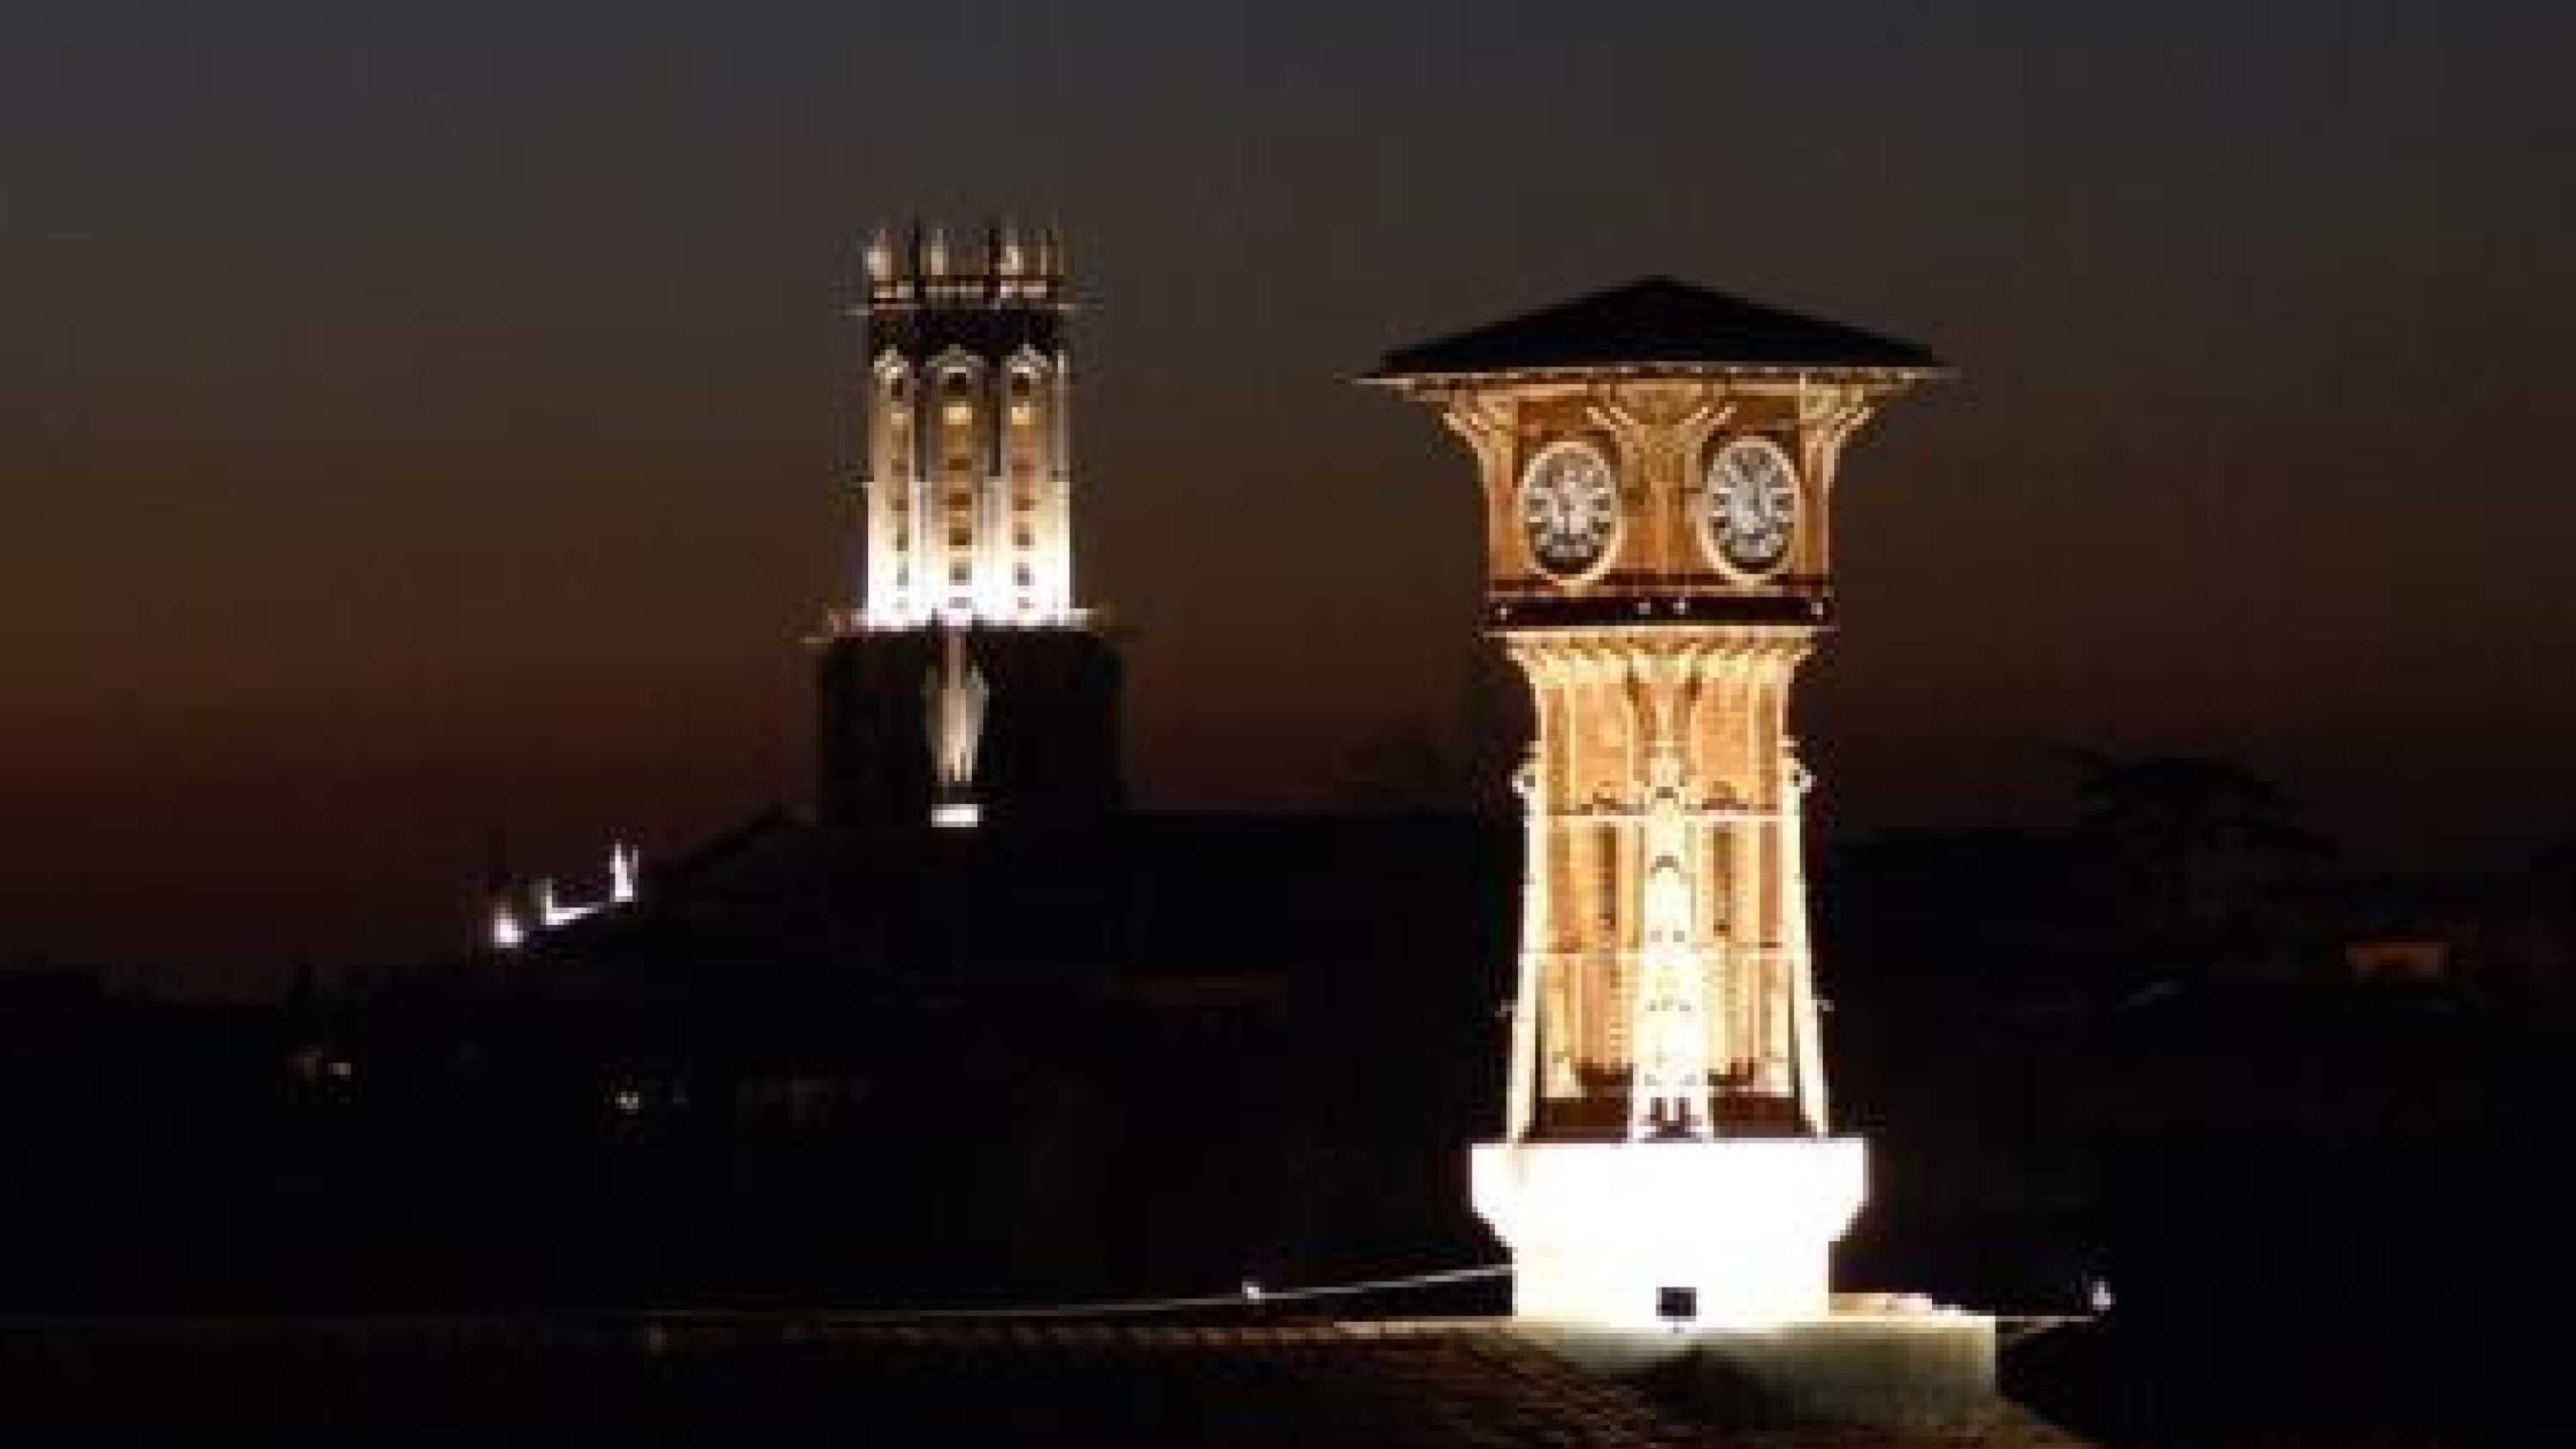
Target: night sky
x,y
426,422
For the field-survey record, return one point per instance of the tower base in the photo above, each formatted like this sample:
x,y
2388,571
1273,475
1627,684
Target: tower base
x,y
1729,1233
1047,751
1918,1368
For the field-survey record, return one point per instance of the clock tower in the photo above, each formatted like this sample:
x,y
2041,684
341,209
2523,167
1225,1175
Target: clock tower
x,y
1658,462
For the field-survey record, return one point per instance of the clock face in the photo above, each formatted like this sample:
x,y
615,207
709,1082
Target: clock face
x,y
1749,510
1569,509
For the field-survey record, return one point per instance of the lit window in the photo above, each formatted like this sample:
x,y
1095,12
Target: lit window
x,y
958,413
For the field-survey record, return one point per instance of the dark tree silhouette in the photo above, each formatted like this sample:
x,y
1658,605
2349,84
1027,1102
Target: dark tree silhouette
x,y
2185,847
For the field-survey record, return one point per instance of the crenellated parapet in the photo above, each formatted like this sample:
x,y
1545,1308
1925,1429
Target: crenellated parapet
x,y
1009,265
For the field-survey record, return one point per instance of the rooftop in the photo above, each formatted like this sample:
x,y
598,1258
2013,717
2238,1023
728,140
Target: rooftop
x,y
1655,324
753,1379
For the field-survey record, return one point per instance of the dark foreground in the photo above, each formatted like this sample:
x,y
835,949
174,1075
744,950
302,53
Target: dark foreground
x,y
2327,1209
764,1380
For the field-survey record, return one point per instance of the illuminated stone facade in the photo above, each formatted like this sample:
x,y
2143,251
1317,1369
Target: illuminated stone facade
x,y
1658,464
967,484
966,682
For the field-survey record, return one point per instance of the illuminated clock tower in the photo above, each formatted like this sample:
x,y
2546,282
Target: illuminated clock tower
x,y
966,686
1658,464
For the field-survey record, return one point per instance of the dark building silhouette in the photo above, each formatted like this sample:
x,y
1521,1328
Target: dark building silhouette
x,y
1047,746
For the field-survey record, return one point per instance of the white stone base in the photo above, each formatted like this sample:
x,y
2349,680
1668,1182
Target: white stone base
x,y
1923,1369
1598,1231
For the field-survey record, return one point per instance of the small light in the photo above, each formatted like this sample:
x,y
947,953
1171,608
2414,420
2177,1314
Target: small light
x,y
1677,1306
1251,1290
956,815
628,1100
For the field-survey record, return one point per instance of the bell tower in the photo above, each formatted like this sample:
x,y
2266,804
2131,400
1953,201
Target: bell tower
x,y
966,683
1658,463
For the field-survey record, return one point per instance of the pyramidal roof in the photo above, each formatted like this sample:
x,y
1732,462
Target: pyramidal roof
x,y
1656,323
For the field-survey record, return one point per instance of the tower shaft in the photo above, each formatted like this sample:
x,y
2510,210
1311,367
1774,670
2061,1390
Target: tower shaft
x,y
1666,959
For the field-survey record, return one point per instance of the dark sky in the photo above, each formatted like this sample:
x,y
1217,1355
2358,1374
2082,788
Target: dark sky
x,y
424,421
